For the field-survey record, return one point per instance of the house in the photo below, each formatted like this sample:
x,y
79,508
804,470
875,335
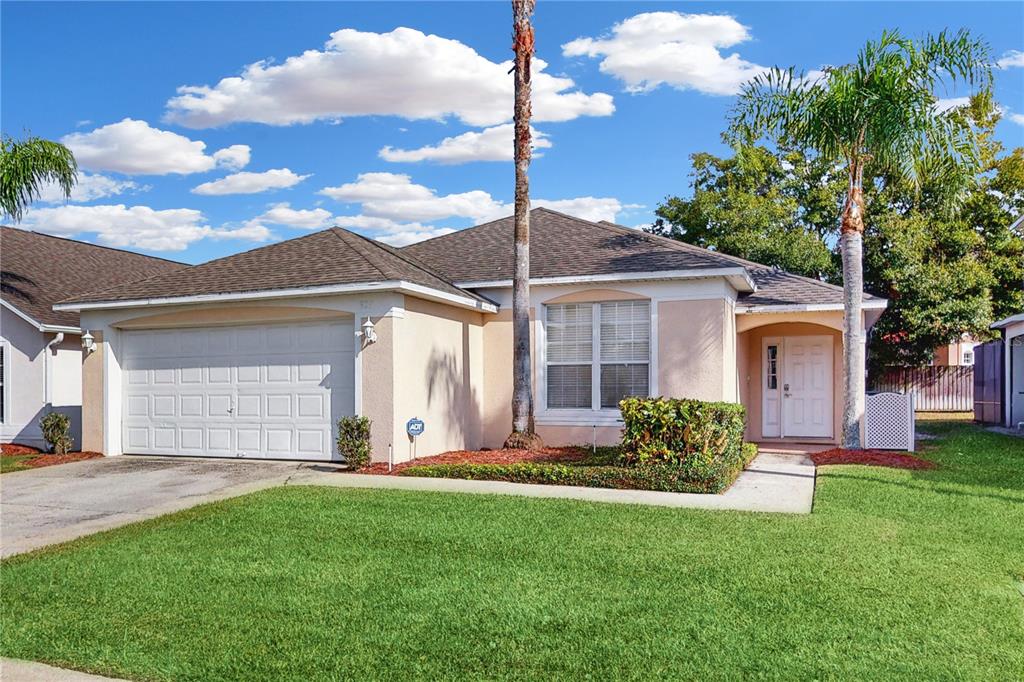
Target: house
x,y
258,354
41,348
959,353
1012,365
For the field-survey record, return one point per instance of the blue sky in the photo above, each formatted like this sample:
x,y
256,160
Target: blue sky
x,y
388,115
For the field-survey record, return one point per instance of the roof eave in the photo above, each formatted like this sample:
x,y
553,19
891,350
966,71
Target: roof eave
x,y
41,326
738,277
871,304
403,286
1007,321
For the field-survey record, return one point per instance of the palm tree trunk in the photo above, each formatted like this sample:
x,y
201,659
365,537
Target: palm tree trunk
x,y
522,435
851,246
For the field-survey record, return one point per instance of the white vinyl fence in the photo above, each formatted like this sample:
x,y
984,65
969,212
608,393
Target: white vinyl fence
x,y
889,421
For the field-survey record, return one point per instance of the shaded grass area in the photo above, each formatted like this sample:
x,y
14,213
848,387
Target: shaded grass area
x,y
10,463
897,575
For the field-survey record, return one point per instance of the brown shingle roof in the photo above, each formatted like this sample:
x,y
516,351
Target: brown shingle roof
x,y
560,246
332,256
37,270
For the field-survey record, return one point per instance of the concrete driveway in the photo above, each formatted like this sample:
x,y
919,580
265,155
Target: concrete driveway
x,y
53,504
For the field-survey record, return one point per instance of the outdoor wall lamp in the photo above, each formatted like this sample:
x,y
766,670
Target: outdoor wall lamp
x,y
88,342
369,333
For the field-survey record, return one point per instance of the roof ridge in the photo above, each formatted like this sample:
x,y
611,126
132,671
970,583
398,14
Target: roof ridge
x,y
95,246
343,236
422,267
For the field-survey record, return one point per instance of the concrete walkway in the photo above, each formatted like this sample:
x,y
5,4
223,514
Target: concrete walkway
x,y
12,670
771,483
41,507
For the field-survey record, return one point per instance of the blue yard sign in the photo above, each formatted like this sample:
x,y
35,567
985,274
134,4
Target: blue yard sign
x,y
414,427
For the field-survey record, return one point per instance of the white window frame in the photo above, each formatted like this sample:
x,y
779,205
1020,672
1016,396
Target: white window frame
x,y
607,416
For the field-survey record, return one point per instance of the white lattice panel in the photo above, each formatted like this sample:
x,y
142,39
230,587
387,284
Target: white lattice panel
x,y
889,421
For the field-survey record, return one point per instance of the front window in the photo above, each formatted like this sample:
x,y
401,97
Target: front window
x,y
968,357
597,353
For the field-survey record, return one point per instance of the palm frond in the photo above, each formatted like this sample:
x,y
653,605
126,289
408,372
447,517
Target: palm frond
x,y
26,165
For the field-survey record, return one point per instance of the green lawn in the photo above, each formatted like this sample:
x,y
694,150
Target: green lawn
x,y
896,574
13,462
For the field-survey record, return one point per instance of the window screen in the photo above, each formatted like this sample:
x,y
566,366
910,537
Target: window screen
x,y
570,351
621,357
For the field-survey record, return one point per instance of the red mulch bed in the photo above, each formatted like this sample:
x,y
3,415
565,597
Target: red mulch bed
x,y
877,458
15,449
544,455
50,460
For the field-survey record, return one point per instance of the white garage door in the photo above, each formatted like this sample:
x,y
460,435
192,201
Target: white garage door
x,y
267,391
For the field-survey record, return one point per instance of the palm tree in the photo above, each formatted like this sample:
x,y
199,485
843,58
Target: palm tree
x,y
879,113
25,165
523,434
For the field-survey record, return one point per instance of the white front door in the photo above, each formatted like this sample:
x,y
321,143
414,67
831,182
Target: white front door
x,y
262,391
807,387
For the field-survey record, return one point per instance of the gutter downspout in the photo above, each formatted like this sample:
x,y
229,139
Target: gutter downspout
x,y
48,369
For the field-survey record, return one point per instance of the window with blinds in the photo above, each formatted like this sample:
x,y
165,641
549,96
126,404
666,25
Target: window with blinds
x,y
602,346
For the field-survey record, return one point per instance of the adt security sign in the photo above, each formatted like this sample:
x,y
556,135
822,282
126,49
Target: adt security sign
x,y
414,427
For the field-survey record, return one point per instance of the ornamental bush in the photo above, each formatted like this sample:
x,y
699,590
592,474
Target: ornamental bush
x,y
703,439
645,476
56,428
354,441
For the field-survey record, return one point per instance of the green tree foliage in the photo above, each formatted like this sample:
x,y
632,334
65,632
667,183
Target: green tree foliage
x,y
773,208
945,251
26,165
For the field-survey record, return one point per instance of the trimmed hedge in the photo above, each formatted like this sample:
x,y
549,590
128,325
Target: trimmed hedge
x,y
703,440
646,476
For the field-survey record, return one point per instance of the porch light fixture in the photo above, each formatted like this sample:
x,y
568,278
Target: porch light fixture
x,y
369,333
88,342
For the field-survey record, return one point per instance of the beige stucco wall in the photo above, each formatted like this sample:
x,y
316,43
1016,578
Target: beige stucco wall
x,y
378,386
92,396
696,349
226,315
751,368
438,377
496,405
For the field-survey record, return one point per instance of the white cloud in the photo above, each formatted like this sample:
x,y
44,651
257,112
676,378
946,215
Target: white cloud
x,y
250,183
1010,59
945,104
490,144
88,188
395,196
136,148
234,157
594,209
403,73
411,237
136,226
670,48
284,214
393,204
1017,118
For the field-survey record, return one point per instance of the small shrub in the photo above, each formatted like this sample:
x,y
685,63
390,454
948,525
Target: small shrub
x,y
704,440
56,428
354,441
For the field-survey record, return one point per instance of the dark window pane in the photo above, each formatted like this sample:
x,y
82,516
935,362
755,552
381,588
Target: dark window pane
x,y
569,386
622,381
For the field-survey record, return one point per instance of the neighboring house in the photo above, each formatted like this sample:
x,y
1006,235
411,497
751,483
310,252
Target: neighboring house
x,y
959,353
258,354
40,348
1012,331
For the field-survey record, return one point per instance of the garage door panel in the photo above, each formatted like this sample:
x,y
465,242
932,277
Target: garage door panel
x,y
254,391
